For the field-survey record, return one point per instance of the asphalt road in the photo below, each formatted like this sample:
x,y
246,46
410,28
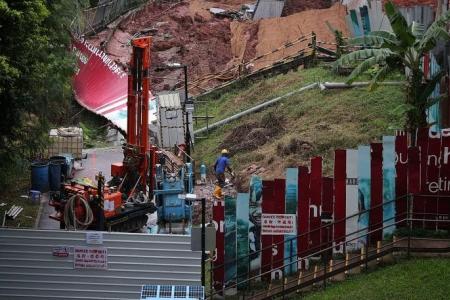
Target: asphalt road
x,y
97,160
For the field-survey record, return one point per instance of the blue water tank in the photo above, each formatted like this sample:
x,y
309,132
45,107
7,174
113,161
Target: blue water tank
x,y
55,175
64,162
39,176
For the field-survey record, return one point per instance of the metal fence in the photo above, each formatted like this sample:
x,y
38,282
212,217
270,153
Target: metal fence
x,y
96,18
47,264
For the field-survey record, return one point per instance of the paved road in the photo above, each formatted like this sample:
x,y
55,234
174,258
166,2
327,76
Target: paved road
x,y
97,160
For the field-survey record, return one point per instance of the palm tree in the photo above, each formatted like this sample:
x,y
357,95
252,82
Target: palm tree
x,y
402,49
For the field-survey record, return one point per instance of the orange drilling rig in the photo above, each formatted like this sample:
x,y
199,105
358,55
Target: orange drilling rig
x,y
123,203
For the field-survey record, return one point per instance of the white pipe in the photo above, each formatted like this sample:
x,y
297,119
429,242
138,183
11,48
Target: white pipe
x,y
12,210
322,86
254,109
17,213
343,85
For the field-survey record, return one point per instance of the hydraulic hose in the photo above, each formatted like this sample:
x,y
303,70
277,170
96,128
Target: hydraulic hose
x,y
70,217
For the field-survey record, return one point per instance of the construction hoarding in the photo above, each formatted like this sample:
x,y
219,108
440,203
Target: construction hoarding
x,y
369,192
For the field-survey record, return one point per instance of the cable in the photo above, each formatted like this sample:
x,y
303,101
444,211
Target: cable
x,y
70,215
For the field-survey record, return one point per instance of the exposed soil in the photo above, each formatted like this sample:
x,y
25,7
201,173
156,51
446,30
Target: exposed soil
x,y
295,6
407,3
250,136
214,48
276,32
295,146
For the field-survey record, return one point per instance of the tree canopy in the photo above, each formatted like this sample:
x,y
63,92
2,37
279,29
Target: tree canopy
x,y
36,70
404,49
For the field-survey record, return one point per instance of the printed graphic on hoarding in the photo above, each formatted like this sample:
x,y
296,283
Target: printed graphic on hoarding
x,y
100,85
242,215
218,220
340,175
351,203
290,245
254,236
267,206
388,184
376,192
303,211
279,194
363,190
230,240
315,204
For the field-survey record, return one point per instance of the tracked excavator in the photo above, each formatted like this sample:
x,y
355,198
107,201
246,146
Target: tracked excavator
x,y
146,172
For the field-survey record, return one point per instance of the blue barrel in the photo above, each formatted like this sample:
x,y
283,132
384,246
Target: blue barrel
x,y
68,165
61,160
54,175
39,176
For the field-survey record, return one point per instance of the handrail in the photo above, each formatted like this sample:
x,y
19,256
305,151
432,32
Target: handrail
x,y
313,231
317,253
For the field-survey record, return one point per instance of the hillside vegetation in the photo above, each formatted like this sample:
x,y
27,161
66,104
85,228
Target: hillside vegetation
x,y
413,279
304,125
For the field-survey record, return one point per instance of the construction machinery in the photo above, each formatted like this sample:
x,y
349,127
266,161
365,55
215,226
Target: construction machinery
x,y
146,172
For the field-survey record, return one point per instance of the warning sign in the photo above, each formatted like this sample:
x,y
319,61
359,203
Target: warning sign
x,y
278,224
90,258
61,251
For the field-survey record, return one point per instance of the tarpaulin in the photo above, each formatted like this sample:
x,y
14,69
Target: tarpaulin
x,y
100,84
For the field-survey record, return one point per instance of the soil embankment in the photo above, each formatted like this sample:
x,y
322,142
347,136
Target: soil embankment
x,y
212,47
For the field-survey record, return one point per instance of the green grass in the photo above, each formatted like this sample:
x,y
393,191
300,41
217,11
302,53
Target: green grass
x,y
94,129
12,195
327,120
413,279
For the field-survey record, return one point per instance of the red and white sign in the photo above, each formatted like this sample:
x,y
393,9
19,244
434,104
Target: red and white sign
x,y
278,224
90,258
61,251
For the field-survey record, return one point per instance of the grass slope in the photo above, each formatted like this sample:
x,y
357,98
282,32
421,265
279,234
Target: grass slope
x,y
313,123
413,279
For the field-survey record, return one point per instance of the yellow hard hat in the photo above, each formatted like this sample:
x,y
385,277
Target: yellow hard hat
x,y
225,151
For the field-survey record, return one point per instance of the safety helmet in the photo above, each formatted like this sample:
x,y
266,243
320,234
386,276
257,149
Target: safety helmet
x,y
225,151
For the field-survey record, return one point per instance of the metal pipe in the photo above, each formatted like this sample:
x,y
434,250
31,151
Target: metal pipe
x,y
17,213
203,239
343,85
254,109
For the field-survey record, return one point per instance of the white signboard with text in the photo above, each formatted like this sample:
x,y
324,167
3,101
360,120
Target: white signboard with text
x,y
90,258
278,224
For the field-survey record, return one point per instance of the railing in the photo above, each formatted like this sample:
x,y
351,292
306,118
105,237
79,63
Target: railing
x,y
96,18
401,219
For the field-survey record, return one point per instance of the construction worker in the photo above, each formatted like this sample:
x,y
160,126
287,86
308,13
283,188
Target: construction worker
x,y
222,164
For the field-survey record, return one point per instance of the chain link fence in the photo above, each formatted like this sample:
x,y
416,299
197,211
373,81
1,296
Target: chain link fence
x,y
96,18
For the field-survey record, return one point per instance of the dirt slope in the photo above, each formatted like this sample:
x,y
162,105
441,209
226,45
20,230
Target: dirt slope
x,y
187,33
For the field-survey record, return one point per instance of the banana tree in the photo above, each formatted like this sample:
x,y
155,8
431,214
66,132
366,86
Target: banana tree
x,y
401,49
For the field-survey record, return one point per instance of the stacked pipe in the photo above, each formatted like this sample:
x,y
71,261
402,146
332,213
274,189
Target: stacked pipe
x,y
14,211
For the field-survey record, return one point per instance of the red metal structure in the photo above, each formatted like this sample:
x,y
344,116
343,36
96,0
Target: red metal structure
x,y
137,152
122,205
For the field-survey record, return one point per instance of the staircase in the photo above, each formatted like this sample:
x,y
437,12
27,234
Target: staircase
x,y
28,268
